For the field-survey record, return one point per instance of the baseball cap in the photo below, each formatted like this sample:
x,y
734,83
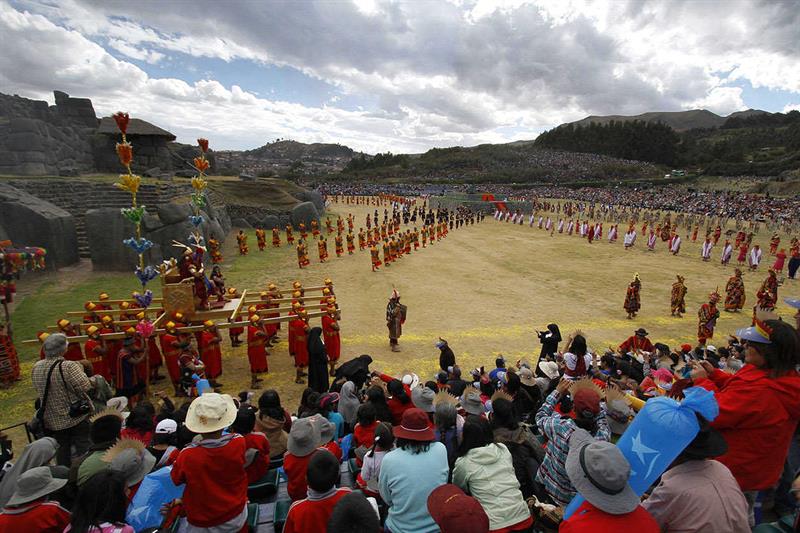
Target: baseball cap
x,y
166,426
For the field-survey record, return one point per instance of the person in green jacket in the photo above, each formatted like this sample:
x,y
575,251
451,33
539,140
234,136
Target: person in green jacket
x,y
484,469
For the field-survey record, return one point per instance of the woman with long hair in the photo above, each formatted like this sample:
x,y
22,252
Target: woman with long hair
x,y
484,469
100,506
377,398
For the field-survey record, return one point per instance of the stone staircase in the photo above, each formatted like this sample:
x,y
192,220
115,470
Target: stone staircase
x,y
78,196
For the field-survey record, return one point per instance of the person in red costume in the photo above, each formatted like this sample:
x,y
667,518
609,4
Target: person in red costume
x,y
333,342
210,352
256,349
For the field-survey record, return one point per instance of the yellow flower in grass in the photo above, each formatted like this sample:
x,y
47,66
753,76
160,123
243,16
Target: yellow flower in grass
x,y
129,182
199,183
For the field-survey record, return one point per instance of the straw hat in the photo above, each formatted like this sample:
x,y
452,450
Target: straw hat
x,y
210,412
89,306
209,324
549,369
103,296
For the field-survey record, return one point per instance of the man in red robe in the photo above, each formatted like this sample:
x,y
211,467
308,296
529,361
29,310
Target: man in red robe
x,y
95,351
210,352
333,343
73,348
256,350
298,329
171,350
707,319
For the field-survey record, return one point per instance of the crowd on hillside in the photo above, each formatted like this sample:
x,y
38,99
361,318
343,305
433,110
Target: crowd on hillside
x,y
706,441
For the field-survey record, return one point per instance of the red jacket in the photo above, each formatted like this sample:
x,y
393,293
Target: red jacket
x,y
216,483
757,416
590,519
295,468
312,515
259,467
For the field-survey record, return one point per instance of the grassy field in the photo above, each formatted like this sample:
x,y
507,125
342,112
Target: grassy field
x,y
486,288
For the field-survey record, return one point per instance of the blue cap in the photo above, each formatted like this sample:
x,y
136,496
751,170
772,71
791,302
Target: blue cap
x,y
793,302
752,334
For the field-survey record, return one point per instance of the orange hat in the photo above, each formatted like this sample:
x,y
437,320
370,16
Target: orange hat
x,y
328,281
177,315
89,306
106,319
254,318
42,336
331,300
170,326
303,313
231,290
92,330
130,332
63,323
103,296
209,323
326,291
296,294
297,285
252,309
331,310
140,315
272,286
124,305
263,294
296,305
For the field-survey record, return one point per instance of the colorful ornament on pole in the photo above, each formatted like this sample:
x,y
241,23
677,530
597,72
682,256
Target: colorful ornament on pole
x,y
146,274
196,220
145,328
657,435
134,214
144,300
139,246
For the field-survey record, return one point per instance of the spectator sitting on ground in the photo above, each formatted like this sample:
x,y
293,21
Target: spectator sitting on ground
x,y
455,512
100,506
257,454
29,508
304,438
698,494
600,473
213,468
410,472
313,513
485,470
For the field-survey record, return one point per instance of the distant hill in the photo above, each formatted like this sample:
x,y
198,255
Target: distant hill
x,y
286,157
677,120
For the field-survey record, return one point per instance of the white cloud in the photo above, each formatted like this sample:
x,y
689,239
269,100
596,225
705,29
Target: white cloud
x,y
435,73
791,107
721,100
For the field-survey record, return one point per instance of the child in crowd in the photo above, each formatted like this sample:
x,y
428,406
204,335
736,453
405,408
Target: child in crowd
x,y
312,513
257,444
383,443
304,438
364,432
213,469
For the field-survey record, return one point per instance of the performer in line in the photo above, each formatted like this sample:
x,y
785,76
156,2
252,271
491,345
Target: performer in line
x,y
705,250
289,236
727,252
261,239
298,329
678,297
675,244
651,241
276,238
210,353
707,317
780,259
632,297
755,258
256,350
734,292
333,343
768,292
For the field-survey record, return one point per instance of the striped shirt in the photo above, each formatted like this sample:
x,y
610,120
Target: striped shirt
x,y
552,472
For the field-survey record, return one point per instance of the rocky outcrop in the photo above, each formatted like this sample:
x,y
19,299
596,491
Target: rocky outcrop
x,y
39,140
304,212
30,221
106,229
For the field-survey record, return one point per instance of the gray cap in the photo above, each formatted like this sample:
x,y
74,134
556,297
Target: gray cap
x,y
55,345
34,484
422,397
599,472
471,402
304,437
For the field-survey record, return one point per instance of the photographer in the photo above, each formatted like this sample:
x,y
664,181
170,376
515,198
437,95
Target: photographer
x,y
61,386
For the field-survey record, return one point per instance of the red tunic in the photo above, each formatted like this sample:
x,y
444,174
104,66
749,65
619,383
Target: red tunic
x,y
298,327
153,353
258,468
34,517
74,352
333,343
312,515
112,350
99,365
171,355
211,354
256,351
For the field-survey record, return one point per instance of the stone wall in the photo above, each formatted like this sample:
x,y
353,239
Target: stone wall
x,y
149,152
39,140
30,221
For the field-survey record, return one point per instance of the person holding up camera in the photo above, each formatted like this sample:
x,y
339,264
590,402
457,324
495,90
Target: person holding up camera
x,y
63,405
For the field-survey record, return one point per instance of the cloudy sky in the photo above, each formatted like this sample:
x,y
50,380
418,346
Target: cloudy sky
x,y
400,76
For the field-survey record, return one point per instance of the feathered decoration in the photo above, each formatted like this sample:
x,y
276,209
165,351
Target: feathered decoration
x,y
109,411
613,394
501,395
129,182
585,383
122,445
444,397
